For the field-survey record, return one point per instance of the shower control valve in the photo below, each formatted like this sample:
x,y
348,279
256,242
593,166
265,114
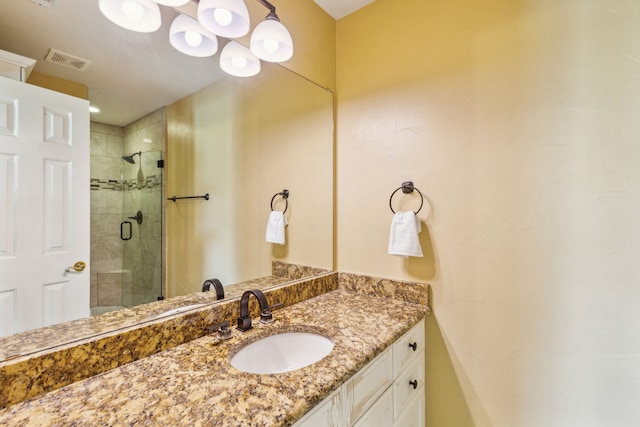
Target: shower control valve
x,y
137,217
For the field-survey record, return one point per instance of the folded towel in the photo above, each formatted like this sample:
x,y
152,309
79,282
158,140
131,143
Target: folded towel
x,y
403,238
275,228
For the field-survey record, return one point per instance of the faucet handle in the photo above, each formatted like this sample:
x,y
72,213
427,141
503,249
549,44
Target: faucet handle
x,y
223,330
266,316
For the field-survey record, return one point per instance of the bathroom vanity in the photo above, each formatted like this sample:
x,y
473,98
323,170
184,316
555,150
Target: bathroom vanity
x,y
389,391
371,370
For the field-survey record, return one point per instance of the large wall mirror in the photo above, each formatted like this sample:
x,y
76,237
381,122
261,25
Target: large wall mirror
x,y
239,140
244,142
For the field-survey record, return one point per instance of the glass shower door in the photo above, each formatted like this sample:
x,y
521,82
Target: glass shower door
x,y
142,208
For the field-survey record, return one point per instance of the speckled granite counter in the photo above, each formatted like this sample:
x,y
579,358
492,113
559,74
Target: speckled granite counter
x,y
34,341
194,383
29,375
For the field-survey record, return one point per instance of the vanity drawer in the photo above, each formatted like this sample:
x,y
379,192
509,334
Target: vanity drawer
x,y
407,347
413,414
364,388
380,414
409,384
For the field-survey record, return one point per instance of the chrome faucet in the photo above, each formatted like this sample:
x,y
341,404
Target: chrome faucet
x,y
244,321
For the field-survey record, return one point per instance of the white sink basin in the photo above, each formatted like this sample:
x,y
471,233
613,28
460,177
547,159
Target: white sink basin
x,y
176,310
283,352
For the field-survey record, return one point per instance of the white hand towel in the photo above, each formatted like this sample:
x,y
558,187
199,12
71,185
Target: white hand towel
x,y
275,228
403,238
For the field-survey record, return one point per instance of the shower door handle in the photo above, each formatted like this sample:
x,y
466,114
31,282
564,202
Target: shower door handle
x,y
122,224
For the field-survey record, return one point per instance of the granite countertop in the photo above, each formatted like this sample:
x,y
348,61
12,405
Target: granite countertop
x,y
194,383
34,341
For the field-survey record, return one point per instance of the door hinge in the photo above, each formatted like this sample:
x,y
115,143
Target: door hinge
x,y
161,163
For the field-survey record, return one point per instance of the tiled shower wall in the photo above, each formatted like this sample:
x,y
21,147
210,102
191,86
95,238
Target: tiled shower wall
x,y
107,144
126,273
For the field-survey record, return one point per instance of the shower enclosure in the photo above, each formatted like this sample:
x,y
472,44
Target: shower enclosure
x,y
127,207
126,229
141,227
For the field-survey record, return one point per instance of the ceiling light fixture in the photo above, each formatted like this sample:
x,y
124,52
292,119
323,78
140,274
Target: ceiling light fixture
x,y
172,3
191,38
226,18
135,15
238,60
270,40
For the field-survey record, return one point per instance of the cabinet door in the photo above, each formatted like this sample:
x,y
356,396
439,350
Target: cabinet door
x,y
328,413
413,414
364,388
380,414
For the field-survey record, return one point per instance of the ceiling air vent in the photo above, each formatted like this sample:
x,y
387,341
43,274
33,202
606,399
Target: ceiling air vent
x,y
67,60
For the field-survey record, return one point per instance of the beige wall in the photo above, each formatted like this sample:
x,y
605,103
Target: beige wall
x,y
242,141
517,119
78,90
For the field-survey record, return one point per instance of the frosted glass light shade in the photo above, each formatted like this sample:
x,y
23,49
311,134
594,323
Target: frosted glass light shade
x,y
191,38
172,3
226,18
271,41
238,61
135,15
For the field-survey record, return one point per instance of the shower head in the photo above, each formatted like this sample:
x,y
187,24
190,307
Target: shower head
x,y
129,158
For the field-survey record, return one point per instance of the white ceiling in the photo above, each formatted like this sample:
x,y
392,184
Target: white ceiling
x,y
131,74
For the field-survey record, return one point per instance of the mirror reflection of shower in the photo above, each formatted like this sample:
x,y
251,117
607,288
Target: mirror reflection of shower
x,y
142,251
129,158
126,253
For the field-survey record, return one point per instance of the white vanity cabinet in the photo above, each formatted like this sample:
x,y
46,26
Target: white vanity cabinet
x,y
389,391
326,414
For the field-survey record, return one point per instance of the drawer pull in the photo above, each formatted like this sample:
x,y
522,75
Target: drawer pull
x,y
414,346
414,383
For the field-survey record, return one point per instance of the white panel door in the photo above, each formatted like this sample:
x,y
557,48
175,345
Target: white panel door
x,y
44,207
